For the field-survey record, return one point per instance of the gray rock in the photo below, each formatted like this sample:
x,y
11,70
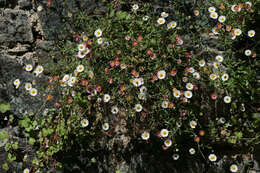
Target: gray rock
x,y
19,99
15,27
25,4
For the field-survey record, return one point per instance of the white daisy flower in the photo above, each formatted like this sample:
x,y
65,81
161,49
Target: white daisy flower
x,y
84,123
227,99
141,96
233,168
114,110
164,14
100,41
219,58
212,9
105,126
213,76
212,157
106,98
216,64
138,108
81,47
145,135
248,52
215,31
188,94
164,133
175,156
214,15
84,38
137,82
191,70
165,104
222,19
123,66
28,86
196,12
81,54
192,151
233,8
193,124
73,79
135,7
65,78
177,93
225,77
80,68
17,83
189,86
39,69
168,142
161,21
248,3
161,74
39,8
237,32
172,25
184,79
196,75
26,170
33,92
251,33
98,33
145,18
28,67
143,89
202,63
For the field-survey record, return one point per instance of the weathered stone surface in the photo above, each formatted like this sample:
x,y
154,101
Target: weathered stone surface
x,y
14,27
21,102
25,4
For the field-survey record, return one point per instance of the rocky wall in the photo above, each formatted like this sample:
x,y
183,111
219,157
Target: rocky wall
x,y
27,33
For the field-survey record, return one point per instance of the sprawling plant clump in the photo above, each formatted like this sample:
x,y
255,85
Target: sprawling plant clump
x,y
157,71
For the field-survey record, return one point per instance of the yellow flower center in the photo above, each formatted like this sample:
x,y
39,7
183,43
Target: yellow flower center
x,y
212,157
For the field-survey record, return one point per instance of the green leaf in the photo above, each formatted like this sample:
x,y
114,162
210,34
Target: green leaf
x,y
4,107
11,118
5,166
123,15
3,135
31,141
93,160
239,135
15,146
44,132
11,157
112,13
232,140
